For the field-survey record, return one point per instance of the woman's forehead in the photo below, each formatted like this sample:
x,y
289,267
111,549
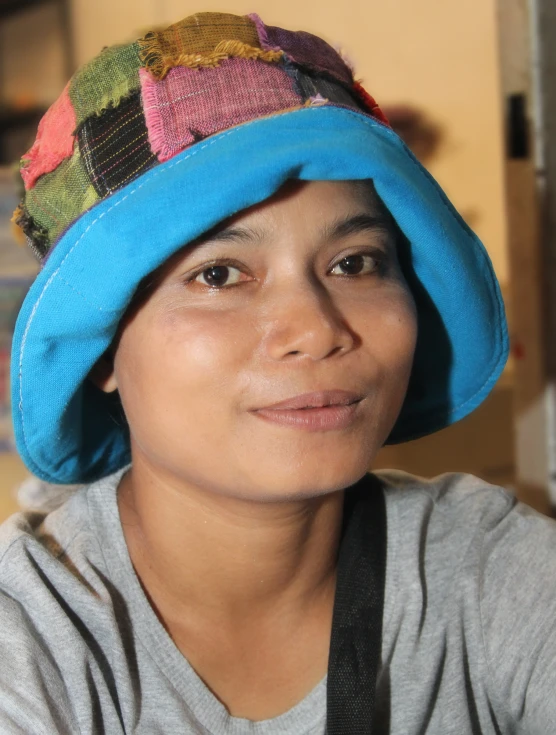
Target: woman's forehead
x,y
329,200
318,201
361,192
317,205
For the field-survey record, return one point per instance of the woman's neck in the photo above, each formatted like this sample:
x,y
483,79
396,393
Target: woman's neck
x,y
224,561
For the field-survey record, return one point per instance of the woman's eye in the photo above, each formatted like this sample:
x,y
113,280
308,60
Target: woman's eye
x,y
218,276
355,265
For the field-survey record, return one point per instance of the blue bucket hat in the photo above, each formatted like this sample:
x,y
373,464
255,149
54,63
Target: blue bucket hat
x,y
205,119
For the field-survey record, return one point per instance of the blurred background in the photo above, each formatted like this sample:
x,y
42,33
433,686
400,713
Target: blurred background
x,y
467,85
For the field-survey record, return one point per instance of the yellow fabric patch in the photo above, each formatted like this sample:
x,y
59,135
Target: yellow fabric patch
x,y
197,37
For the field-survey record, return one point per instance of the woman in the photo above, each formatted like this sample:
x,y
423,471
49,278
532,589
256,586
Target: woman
x,y
249,285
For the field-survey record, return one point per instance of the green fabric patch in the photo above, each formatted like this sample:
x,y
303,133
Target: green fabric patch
x,y
59,198
105,81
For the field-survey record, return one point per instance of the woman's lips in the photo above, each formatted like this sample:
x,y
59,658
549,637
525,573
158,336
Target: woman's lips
x,y
318,399
327,411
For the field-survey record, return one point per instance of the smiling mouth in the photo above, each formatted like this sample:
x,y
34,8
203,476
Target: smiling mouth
x,y
317,414
317,399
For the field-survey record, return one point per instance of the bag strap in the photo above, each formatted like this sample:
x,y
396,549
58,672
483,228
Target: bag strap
x,y
356,639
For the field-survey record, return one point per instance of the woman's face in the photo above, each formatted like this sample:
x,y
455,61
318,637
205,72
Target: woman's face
x,y
302,294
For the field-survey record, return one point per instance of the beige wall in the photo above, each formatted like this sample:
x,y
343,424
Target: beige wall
x,y
12,474
31,57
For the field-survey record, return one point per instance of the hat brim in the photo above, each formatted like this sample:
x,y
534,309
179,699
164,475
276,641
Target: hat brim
x,y
65,428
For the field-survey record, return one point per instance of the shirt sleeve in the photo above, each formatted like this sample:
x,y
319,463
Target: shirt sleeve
x,y
33,698
518,616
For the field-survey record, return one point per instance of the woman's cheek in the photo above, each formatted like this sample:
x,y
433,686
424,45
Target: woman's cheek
x,y
387,320
202,348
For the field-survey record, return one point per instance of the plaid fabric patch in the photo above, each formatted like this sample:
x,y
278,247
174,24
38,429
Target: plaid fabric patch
x,y
304,49
54,141
196,36
313,87
60,197
115,146
189,105
105,81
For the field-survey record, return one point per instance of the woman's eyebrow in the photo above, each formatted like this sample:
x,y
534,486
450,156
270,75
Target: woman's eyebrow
x,y
345,226
232,234
335,230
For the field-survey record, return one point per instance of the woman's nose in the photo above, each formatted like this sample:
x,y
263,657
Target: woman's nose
x,y
305,320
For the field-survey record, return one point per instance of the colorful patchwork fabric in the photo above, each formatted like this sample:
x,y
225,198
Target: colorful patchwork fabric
x,y
305,50
204,39
105,81
314,88
140,104
370,103
59,198
115,146
188,105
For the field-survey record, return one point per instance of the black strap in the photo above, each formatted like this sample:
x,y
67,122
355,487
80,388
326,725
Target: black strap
x,y
356,638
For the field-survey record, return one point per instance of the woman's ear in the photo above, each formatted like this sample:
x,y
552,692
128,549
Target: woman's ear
x,y
103,375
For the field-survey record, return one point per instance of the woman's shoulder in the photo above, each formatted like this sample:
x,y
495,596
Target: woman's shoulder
x,y
59,611
32,533
44,550
458,527
444,492
451,507
462,536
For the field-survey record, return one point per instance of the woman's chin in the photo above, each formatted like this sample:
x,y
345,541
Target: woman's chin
x,y
308,480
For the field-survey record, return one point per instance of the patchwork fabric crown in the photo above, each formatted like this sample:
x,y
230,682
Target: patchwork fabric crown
x,y
137,105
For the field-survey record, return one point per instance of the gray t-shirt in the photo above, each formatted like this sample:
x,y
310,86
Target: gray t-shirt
x,y
469,641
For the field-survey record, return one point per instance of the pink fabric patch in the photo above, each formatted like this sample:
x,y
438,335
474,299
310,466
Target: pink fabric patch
x,y
191,104
54,141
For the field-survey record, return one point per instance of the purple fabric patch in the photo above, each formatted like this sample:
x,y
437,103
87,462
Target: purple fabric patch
x,y
261,32
304,49
191,104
